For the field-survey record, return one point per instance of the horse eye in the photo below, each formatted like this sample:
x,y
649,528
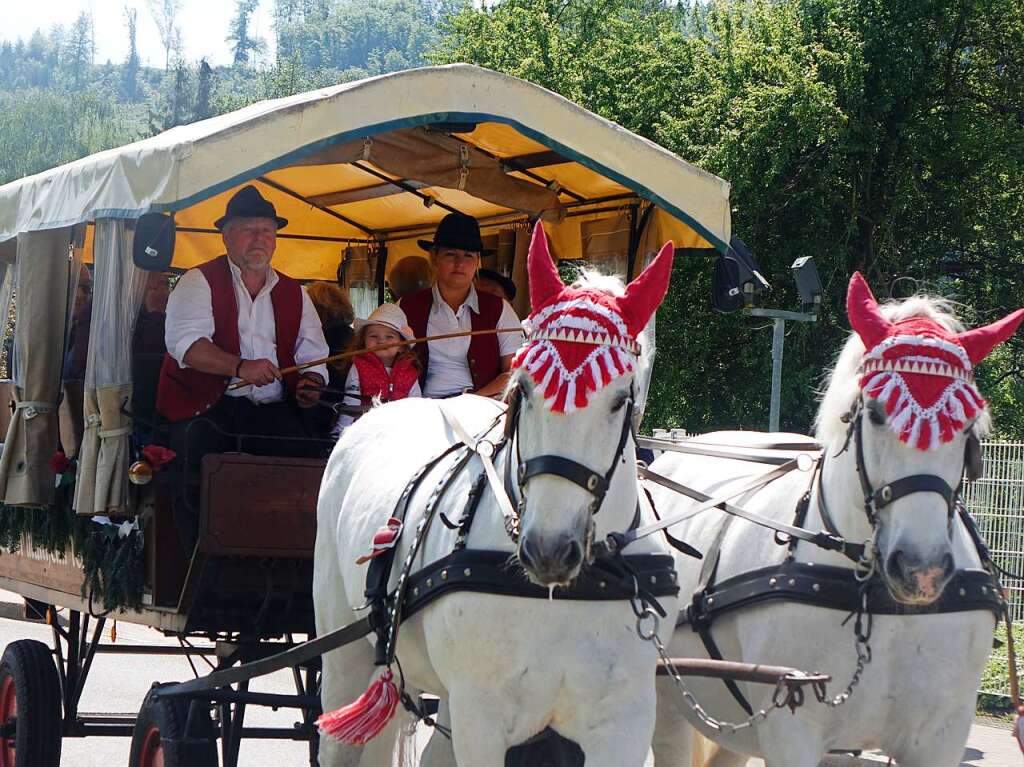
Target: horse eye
x,y
877,414
619,402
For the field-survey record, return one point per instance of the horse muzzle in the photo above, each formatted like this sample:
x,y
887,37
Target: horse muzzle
x,y
552,560
916,581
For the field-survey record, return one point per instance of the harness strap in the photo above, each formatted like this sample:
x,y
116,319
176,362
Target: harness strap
x,y
824,540
708,572
486,450
565,468
917,483
488,572
837,588
716,450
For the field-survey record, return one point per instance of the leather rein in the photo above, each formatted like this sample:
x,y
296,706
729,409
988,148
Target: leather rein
x,y
830,539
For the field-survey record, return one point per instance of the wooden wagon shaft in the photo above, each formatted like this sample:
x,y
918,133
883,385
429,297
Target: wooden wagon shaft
x,y
346,355
742,672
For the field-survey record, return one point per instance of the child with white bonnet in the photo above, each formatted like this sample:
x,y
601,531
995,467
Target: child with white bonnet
x,y
388,370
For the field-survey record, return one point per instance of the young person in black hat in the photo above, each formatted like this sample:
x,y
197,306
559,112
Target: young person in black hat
x,y
495,283
479,363
236,320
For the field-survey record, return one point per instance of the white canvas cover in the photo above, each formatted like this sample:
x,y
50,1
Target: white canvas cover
x,y
300,149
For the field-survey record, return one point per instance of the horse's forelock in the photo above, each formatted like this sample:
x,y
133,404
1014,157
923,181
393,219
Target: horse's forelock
x,y
589,279
842,384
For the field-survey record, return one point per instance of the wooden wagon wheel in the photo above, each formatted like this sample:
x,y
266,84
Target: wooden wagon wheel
x,y
160,740
30,706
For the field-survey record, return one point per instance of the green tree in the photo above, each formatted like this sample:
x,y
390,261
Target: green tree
x,y
881,135
243,42
130,70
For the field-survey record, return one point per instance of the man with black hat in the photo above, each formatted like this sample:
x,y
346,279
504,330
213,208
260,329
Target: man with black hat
x,y
236,320
479,363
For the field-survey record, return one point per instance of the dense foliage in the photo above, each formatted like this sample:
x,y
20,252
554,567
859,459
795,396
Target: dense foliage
x,y
880,135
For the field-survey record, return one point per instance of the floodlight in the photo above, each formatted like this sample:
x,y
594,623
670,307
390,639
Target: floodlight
x,y
808,283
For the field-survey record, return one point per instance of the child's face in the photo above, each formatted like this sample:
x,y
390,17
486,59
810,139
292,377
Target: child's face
x,y
382,335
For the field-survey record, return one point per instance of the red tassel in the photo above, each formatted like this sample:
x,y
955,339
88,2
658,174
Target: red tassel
x,y
362,721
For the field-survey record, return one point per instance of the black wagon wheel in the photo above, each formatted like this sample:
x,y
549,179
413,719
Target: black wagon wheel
x,y
163,736
30,706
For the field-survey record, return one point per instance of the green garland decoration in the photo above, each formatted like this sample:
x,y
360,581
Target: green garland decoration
x,y
114,566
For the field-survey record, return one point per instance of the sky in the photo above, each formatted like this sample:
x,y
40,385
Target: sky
x,y
204,26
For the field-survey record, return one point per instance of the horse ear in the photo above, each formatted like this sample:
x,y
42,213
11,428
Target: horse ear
x,y
545,283
980,341
645,294
862,309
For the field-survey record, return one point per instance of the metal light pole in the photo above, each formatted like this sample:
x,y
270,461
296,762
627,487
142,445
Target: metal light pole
x,y
778,318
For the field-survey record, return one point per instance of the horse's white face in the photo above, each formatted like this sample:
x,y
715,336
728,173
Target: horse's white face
x,y
914,545
557,526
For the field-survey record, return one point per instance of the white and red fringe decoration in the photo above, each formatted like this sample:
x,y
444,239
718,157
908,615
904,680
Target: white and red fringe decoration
x,y
927,388
364,719
575,348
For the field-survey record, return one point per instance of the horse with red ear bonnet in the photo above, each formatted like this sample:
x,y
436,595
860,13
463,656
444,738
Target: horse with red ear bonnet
x,y
506,667
900,409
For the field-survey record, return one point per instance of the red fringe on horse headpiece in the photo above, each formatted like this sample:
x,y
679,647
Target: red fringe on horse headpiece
x,y
922,372
581,339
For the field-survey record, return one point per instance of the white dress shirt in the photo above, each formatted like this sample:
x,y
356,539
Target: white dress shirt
x,y
447,366
190,317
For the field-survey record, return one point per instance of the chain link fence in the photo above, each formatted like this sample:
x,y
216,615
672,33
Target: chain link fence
x,y
997,501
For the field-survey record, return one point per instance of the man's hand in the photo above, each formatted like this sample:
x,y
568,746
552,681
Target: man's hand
x,y
258,372
307,389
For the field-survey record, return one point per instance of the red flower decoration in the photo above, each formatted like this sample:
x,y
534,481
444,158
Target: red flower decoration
x,y
158,456
59,462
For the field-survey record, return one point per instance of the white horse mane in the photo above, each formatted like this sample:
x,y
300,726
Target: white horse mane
x,y
842,384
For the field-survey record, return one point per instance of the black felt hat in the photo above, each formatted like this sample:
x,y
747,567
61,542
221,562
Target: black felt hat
x,y
456,230
249,203
153,242
506,284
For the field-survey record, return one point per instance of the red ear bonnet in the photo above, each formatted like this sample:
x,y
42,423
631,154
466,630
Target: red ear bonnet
x,y
921,371
545,284
581,339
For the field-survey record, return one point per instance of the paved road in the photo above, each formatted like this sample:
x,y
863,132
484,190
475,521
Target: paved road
x,y
119,683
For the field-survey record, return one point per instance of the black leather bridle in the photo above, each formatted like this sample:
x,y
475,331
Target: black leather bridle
x,y
877,499
594,482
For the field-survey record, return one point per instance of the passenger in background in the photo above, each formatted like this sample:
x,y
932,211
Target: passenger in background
x,y
77,352
70,416
495,283
386,374
335,312
149,327
410,274
336,315
148,349
478,364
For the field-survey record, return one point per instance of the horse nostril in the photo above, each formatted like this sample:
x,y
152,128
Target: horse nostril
x,y
525,556
572,554
947,565
897,564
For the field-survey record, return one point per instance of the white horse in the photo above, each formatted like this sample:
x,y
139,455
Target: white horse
x,y
915,700
506,667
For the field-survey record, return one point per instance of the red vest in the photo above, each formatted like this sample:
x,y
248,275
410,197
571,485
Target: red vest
x,y
375,381
484,357
187,392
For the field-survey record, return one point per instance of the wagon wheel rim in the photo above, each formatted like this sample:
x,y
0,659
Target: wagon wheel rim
x,y
152,748
8,712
